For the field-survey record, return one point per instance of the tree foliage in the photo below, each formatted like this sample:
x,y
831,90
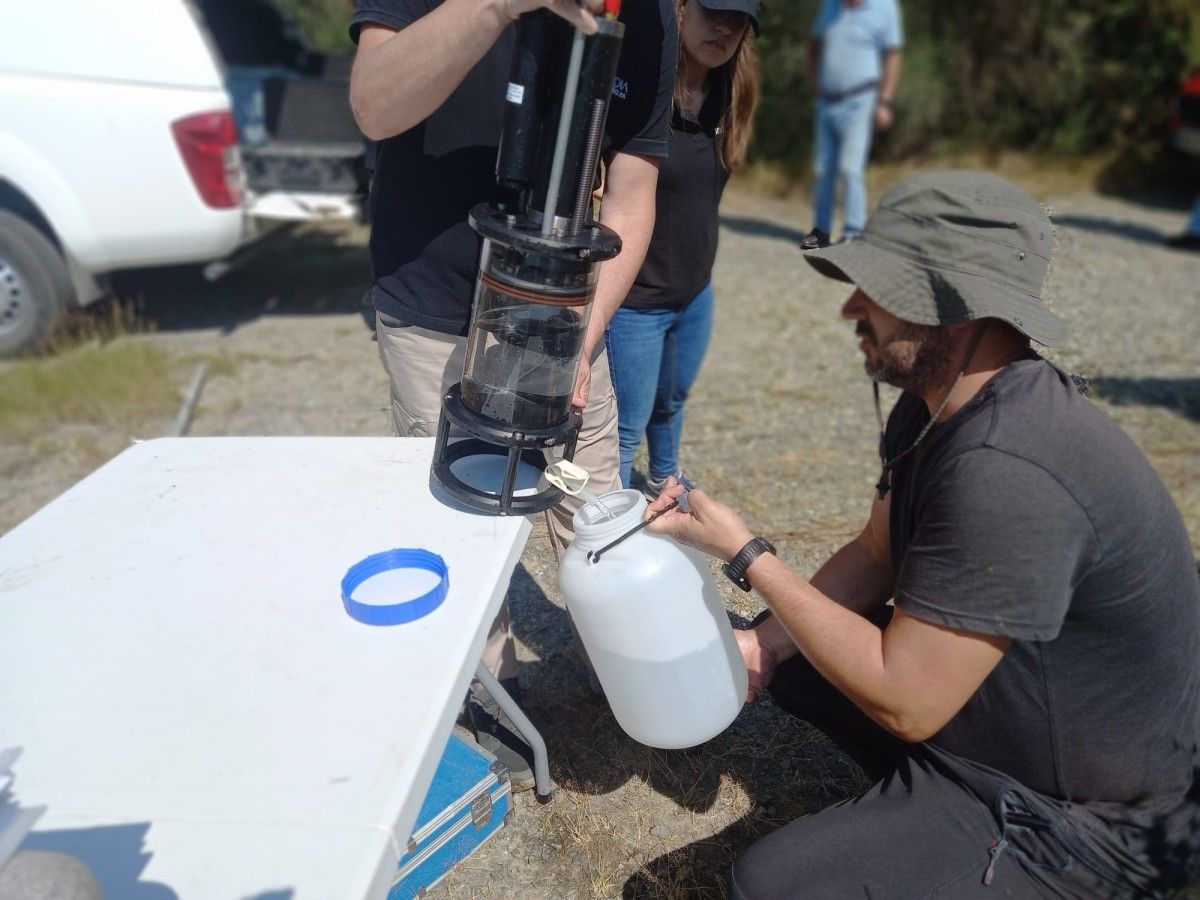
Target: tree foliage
x,y
1062,76
1065,76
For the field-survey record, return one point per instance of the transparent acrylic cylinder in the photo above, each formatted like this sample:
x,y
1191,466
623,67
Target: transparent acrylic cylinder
x,y
527,330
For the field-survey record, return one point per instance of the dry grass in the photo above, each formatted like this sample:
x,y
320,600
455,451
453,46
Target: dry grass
x,y
1040,175
115,386
102,383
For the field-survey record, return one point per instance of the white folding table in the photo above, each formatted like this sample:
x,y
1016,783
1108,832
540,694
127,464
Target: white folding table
x,y
198,713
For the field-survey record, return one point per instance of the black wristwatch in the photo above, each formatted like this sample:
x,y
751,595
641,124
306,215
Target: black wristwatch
x,y
735,569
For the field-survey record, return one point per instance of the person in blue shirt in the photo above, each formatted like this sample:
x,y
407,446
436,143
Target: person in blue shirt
x,y
854,63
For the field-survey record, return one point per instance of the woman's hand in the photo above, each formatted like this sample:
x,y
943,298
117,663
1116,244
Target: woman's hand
x,y
583,384
707,525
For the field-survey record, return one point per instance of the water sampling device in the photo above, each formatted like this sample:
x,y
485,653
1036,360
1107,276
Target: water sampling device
x,y
538,269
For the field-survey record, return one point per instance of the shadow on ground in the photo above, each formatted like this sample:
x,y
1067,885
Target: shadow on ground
x,y
306,272
1131,231
761,228
1180,395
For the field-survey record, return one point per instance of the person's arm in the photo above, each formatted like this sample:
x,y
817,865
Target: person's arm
x,y
858,576
910,678
888,85
400,77
627,208
826,14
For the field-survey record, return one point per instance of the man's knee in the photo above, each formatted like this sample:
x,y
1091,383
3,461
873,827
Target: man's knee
x,y
849,173
409,424
420,365
784,864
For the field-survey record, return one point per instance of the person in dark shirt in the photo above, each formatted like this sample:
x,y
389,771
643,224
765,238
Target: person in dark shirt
x,y
1028,703
658,338
428,85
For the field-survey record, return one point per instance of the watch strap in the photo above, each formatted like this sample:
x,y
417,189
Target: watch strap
x,y
735,569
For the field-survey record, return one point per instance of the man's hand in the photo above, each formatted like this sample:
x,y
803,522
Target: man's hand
x,y
578,12
583,384
884,117
760,661
708,525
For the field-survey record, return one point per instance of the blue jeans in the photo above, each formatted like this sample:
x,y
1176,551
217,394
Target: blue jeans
x,y
1193,226
655,355
843,140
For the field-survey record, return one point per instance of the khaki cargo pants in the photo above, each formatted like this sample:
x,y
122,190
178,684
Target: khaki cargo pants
x,y
423,364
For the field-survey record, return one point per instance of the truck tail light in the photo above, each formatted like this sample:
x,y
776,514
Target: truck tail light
x,y
208,144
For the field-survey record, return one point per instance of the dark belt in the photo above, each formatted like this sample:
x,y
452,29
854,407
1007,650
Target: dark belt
x,y
860,89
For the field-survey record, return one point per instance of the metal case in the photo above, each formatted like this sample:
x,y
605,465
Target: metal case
x,y
469,800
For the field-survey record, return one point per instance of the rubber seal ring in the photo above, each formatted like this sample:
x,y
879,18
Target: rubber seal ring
x,y
407,610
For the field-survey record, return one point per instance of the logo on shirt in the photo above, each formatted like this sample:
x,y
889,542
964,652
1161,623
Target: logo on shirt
x,y
621,88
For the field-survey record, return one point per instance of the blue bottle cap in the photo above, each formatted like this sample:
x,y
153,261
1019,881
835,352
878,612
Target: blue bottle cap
x,y
405,610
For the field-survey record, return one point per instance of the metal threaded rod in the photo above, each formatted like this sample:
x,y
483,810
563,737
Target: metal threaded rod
x,y
583,200
564,128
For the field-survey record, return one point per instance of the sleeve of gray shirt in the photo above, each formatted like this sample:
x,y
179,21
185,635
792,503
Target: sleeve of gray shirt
x,y
999,547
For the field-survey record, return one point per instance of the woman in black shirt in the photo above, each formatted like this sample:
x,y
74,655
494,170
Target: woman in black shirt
x,y
657,339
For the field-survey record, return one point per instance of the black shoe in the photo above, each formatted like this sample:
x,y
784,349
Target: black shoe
x,y
1185,241
814,240
498,735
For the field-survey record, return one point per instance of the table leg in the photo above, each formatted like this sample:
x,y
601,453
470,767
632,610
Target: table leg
x,y
541,765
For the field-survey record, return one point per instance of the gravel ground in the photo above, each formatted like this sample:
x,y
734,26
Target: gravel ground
x,y
780,424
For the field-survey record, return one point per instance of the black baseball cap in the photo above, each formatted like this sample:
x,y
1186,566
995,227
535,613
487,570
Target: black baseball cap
x,y
953,246
750,7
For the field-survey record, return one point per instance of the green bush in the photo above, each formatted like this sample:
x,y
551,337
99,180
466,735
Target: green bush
x,y
1060,76
1070,77
324,22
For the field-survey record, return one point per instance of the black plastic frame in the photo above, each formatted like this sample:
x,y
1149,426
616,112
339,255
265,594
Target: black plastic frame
x,y
493,438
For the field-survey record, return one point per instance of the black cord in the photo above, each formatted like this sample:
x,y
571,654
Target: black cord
x,y
594,555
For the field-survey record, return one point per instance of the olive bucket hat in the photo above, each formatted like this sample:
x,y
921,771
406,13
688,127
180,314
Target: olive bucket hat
x,y
948,247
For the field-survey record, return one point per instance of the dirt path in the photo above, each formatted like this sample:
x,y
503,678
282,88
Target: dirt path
x,y
780,425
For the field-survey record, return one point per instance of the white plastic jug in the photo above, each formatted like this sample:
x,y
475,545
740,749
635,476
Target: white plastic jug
x,y
651,619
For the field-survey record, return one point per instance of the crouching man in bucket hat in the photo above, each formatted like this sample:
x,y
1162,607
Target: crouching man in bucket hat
x,y
1028,704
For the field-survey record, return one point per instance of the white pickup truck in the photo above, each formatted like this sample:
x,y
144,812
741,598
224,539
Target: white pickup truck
x,y
157,132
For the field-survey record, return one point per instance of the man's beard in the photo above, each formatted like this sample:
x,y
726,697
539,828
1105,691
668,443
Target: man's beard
x,y
914,358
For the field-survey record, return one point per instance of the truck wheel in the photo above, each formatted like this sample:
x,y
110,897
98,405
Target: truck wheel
x,y
35,287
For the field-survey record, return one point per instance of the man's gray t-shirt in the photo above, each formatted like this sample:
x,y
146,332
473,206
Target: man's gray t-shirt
x,y
1029,514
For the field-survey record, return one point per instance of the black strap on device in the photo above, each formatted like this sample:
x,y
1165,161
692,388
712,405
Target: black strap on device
x,y
735,569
